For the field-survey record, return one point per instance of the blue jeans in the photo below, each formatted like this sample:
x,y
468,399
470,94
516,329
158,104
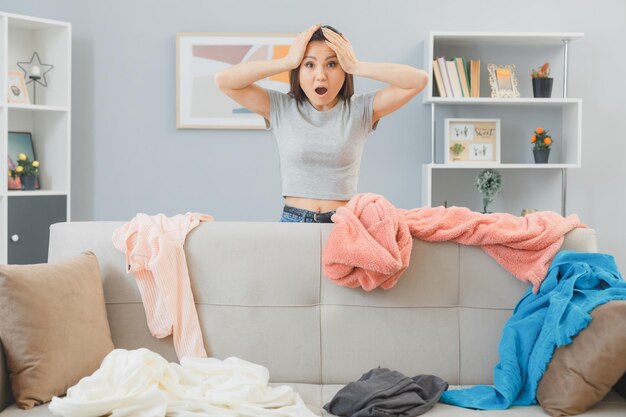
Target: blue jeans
x,y
298,215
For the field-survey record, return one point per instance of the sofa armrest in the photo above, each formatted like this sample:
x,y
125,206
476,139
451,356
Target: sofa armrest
x,y
6,397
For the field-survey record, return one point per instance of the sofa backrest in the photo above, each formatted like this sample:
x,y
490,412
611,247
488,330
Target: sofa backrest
x,y
261,295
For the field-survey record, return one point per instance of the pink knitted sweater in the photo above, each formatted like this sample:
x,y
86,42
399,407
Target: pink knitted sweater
x,y
154,253
370,244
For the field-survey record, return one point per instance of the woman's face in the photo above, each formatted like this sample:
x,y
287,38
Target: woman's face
x,y
321,77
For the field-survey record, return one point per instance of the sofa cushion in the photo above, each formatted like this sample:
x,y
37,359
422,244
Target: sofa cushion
x,y
582,373
54,326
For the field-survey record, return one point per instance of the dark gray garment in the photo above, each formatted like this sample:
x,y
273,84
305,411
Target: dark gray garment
x,y
385,393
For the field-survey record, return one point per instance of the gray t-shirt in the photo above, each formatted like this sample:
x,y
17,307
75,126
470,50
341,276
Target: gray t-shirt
x,y
320,152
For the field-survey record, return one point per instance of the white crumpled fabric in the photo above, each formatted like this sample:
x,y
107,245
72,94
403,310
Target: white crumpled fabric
x,y
141,383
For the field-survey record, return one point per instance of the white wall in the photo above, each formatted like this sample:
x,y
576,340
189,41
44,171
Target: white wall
x,y
128,157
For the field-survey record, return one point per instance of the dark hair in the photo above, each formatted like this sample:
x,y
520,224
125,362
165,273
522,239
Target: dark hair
x,y
347,90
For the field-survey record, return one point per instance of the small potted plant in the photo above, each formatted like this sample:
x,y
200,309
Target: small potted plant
x,y
542,82
542,141
26,170
489,183
456,150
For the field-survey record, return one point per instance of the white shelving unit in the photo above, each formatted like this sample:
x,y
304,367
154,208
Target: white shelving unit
x,y
26,215
526,184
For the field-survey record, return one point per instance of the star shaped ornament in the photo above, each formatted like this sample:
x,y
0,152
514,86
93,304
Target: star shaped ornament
x,y
35,71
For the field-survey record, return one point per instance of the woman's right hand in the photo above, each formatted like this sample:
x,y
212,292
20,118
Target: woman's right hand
x,y
298,47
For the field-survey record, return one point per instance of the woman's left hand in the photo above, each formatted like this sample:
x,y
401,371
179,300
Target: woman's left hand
x,y
343,48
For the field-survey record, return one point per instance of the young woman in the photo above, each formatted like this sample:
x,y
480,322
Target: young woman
x,y
321,125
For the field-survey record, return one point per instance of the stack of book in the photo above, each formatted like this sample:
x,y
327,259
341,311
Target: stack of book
x,y
455,79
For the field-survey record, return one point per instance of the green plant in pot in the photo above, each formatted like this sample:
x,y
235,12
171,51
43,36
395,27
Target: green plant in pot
x,y
542,141
542,82
489,183
456,150
26,170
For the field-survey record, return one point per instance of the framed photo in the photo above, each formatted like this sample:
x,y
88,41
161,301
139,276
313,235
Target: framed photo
x,y
503,81
19,142
199,56
17,92
472,141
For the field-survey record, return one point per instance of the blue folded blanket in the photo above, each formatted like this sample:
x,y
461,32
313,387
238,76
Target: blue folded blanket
x,y
576,283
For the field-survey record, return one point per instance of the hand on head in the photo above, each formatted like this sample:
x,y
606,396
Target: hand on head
x,y
298,47
343,48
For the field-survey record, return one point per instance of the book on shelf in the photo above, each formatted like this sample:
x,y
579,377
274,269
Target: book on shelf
x,y
444,75
461,69
474,74
457,92
438,80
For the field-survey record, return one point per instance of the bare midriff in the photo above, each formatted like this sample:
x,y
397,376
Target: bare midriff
x,y
312,204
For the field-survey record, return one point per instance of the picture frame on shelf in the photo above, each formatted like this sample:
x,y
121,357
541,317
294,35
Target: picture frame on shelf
x,y
472,141
200,55
19,142
16,88
503,81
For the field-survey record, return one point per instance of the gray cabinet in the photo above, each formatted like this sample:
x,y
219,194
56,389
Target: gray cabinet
x,y
29,226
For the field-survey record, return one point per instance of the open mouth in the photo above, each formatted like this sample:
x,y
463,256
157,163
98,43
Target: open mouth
x,y
321,90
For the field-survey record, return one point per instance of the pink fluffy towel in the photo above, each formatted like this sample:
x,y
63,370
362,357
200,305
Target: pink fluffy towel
x,y
371,241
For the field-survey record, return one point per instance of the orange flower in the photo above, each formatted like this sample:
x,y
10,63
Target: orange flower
x,y
541,139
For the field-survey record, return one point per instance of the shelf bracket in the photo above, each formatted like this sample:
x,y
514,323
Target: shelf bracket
x,y
433,128
565,66
563,191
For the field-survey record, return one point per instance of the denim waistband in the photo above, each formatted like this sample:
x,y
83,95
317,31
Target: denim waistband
x,y
308,214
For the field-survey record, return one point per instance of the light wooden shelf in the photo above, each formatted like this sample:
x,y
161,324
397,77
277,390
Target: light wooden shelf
x,y
507,38
488,101
37,107
34,193
18,21
502,166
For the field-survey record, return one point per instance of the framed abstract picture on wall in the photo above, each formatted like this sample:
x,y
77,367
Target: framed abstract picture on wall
x,y
199,56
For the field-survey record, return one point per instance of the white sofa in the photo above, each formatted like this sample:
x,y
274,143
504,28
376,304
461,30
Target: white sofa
x,y
261,295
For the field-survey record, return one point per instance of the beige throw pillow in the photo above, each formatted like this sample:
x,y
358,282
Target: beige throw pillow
x,y
583,372
54,326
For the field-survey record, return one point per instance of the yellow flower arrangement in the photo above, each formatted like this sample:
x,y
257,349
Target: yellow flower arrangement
x,y
25,167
